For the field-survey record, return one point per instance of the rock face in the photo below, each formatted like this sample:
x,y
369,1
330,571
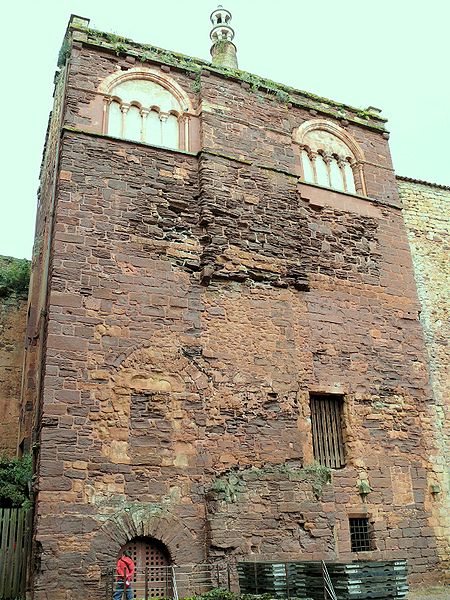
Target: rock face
x,y
196,301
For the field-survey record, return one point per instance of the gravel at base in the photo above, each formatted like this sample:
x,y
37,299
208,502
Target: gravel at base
x,y
430,593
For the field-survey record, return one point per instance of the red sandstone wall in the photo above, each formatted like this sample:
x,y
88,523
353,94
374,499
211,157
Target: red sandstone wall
x,y
195,301
41,261
13,315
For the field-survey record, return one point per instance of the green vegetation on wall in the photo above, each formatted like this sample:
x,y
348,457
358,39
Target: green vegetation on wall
x,y
279,92
15,476
230,485
14,276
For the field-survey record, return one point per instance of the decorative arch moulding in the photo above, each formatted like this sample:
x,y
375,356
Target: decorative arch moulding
x,y
149,74
299,134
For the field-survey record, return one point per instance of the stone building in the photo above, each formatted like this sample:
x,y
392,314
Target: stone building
x,y
426,216
224,357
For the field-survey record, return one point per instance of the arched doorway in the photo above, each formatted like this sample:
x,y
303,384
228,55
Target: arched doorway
x,y
153,578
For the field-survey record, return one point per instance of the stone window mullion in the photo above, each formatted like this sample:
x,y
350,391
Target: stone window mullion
x,y
312,157
124,109
327,160
144,113
163,119
107,101
341,163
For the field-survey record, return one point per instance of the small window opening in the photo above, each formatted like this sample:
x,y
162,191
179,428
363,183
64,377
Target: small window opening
x,y
361,535
327,430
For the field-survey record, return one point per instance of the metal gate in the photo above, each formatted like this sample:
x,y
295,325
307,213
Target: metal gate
x,y
152,577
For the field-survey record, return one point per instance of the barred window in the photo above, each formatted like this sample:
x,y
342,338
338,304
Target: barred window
x,y
361,535
327,430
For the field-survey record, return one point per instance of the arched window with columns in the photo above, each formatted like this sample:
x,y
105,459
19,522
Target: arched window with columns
x,y
146,106
330,157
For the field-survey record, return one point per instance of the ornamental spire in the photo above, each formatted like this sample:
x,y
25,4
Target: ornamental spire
x,y
223,51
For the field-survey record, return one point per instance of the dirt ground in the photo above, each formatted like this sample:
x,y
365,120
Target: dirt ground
x,y
430,593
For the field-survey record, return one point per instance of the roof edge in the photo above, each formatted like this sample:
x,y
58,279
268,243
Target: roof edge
x,y
284,93
423,182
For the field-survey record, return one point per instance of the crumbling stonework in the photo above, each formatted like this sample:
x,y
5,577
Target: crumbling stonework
x,y
195,300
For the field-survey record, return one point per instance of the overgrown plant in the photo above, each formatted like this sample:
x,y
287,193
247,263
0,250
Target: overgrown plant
x,y
15,477
14,276
217,594
120,48
197,84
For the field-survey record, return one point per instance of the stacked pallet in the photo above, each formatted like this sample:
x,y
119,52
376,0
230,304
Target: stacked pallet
x,y
280,580
364,580
384,580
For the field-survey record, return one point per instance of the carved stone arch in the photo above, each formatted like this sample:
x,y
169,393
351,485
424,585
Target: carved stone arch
x,y
147,356
118,359
299,134
110,82
146,521
137,104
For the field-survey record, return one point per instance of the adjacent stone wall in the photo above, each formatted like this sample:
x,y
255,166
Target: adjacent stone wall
x,y
195,301
13,317
427,218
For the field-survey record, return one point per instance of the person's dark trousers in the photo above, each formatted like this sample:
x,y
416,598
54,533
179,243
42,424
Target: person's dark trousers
x,y
119,591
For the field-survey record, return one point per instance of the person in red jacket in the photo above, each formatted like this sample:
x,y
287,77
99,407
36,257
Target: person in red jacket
x,y
124,574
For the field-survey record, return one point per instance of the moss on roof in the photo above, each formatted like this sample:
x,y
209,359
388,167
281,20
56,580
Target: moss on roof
x,y
281,92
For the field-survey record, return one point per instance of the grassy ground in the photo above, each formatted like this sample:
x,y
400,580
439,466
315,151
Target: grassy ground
x,y
430,593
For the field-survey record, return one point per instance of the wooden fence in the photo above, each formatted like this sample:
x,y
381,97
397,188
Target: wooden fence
x,y
15,537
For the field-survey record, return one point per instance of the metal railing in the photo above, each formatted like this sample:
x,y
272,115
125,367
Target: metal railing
x,y
175,581
299,580
329,592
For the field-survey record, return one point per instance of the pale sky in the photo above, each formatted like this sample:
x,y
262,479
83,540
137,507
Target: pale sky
x,y
392,54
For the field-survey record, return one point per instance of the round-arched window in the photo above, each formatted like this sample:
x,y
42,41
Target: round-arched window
x,y
330,157
144,111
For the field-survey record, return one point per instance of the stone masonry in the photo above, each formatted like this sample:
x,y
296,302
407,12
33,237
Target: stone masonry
x,y
187,304
426,214
13,316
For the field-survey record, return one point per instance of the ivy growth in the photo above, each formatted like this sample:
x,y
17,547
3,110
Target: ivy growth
x,y
197,84
113,38
120,48
63,53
